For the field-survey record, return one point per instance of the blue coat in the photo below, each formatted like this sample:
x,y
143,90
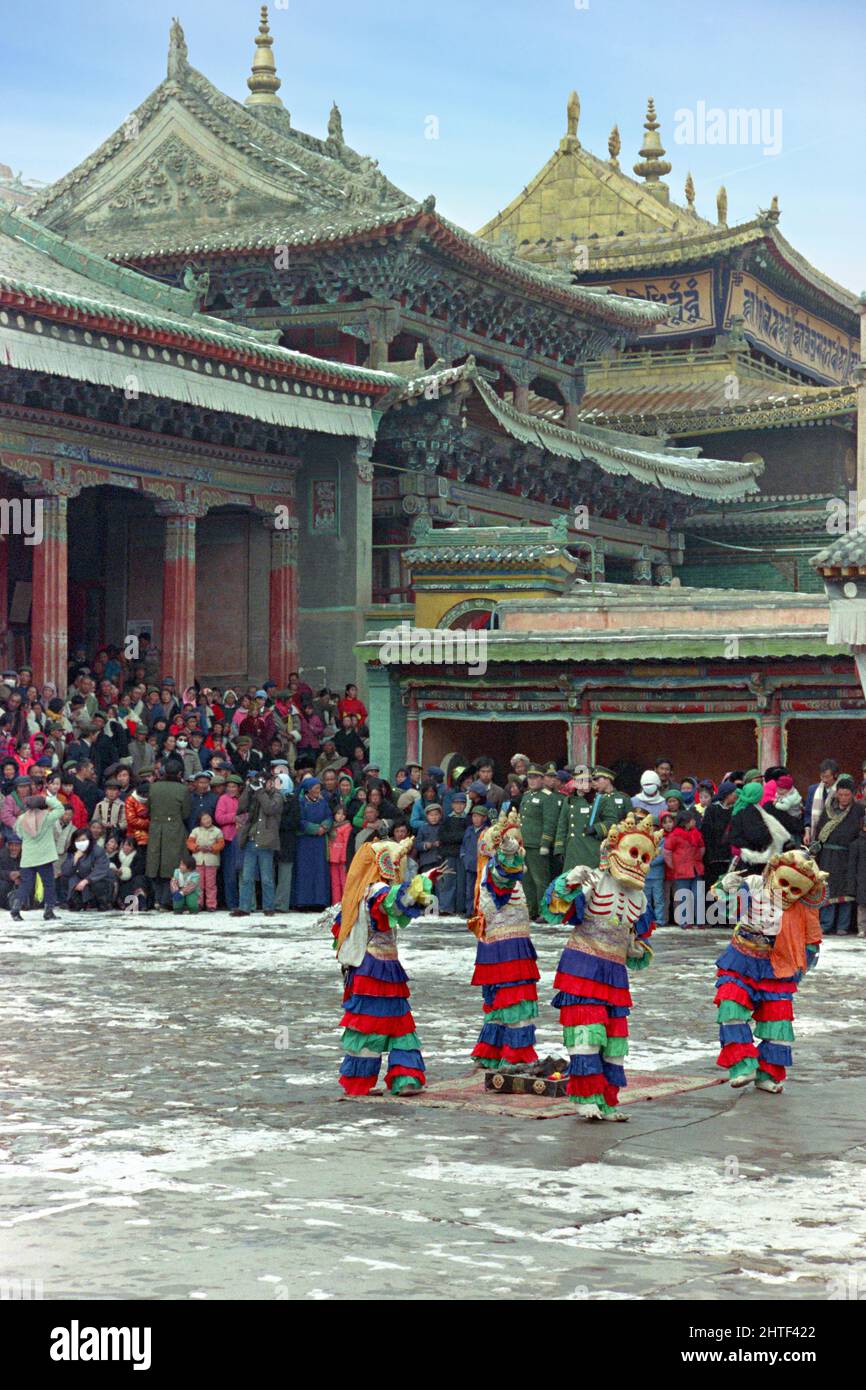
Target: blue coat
x,y
469,849
311,882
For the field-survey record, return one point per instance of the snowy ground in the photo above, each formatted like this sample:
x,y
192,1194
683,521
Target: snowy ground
x,y
159,1140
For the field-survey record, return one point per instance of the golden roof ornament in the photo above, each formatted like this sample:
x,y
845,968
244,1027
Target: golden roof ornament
x,y
722,206
263,81
770,214
573,113
614,145
690,191
652,164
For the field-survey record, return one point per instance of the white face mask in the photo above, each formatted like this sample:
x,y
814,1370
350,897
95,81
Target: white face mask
x,y
81,844
182,743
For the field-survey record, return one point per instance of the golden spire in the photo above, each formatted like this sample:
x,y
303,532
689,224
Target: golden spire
x,y
690,191
722,206
614,145
573,111
652,164
263,81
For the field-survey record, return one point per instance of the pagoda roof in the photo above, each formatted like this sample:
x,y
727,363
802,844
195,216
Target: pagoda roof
x,y
676,469
46,276
189,159
431,230
192,172
619,255
623,225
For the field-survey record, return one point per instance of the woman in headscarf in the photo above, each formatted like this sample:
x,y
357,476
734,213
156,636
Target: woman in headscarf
x,y
310,877
839,825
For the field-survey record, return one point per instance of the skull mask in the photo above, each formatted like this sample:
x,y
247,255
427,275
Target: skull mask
x,y
629,849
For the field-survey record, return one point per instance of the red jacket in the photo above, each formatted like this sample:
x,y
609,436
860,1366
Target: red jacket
x,y
351,705
684,853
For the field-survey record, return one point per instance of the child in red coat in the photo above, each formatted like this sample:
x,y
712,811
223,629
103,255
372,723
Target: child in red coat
x,y
684,859
338,848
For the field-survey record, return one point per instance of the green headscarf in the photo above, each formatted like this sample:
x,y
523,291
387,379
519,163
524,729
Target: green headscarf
x,y
748,795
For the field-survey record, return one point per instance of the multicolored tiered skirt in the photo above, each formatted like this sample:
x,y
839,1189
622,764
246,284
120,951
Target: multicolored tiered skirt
x,y
506,970
753,1003
378,1020
594,1002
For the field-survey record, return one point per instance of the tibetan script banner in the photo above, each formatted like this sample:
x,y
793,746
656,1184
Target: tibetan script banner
x,y
789,332
690,298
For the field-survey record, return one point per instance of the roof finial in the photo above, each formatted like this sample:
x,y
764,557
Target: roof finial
x,y
690,191
652,165
177,50
573,110
722,206
263,81
335,125
614,145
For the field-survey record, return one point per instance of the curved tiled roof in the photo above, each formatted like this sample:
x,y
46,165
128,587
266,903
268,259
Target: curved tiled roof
x,y
676,469
39,266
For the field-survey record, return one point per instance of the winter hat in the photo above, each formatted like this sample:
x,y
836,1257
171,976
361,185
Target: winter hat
x,y
785,783
479,788
407,799
753,775
770,792
650,782
725,789
458,796
432,806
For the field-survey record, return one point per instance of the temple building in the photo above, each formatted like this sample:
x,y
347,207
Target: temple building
x,y
305,408
579,670
396,363
755,363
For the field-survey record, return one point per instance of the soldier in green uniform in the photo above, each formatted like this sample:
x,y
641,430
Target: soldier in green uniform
x,y
539,815
553,784
584,821
602,785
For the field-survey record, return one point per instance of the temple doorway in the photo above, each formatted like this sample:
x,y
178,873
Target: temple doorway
x,y
697,748
807,741
544,740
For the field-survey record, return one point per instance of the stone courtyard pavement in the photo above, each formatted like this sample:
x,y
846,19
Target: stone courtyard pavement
x,y
172,1128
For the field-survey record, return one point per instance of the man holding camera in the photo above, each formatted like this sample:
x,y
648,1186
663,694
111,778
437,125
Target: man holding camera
x,y
258,841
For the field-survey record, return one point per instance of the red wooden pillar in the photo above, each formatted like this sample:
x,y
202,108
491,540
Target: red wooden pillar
x,y
283,589
770,740
413,729
49,640
178,600
581,738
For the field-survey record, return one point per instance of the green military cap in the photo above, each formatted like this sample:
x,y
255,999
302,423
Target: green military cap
x,y
535,770
551,769
600,771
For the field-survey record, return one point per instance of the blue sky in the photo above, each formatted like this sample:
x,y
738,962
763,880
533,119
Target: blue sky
x,y
496,74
